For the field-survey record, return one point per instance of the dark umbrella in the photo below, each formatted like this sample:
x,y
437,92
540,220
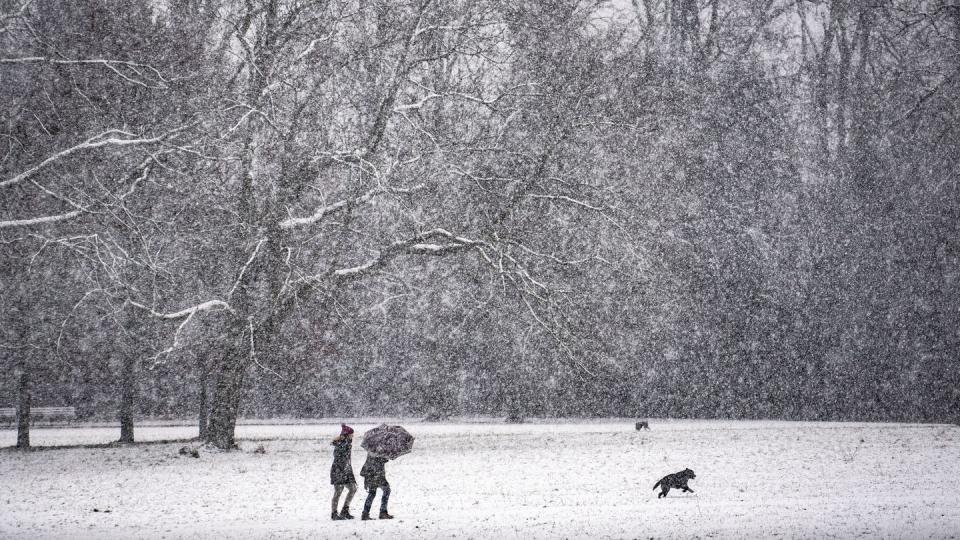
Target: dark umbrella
x,y
386,441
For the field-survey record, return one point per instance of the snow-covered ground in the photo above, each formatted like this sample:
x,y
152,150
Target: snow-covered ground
x,y
486,480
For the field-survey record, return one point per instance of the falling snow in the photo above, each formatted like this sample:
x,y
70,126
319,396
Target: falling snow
x,y
222,213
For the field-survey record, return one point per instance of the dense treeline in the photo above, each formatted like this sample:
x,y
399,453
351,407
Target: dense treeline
x,y
657,208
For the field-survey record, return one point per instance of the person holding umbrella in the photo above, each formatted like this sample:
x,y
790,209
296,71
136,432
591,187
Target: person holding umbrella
x,y
341,472
382,444
375,476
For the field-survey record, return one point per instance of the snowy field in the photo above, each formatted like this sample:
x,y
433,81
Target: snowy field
x,y
483,480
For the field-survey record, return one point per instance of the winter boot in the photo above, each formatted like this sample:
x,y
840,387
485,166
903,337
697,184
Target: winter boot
x,y
334,516
384,515
345,513
365,516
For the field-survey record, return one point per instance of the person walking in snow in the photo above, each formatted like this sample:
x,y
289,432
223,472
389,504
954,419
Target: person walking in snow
x,y
375,476
341,472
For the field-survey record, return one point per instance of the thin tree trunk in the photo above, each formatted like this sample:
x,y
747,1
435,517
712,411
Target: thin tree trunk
x,y
860,154
204,411
842,81
127,392
23,408
824,86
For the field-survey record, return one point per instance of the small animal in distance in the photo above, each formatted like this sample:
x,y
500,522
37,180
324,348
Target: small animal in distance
x,y
676,480
643,424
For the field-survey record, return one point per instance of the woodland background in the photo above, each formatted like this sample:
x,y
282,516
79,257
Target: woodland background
x,y
677,208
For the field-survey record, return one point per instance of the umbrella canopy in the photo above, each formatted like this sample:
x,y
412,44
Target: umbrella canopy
x,y
388,442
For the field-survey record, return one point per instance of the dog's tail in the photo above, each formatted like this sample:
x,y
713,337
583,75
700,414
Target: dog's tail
x,y
658,483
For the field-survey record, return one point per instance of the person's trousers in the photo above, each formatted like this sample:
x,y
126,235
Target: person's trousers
x,y
384,497
338,489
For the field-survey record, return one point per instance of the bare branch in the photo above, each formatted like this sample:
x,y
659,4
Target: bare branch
x,y
332,208
552,257
416,105
568,199
66,319
29,222
415,245
176,339
311,47
557,337
107,138
145,167
185,314
488,102
245,266
39,220
209,305
385,108
112,65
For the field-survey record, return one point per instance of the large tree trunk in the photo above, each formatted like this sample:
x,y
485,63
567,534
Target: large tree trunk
x,y
230,374
226,402
23,409
127,392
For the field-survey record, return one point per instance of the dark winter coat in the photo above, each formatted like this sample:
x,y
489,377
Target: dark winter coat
x,y
373,473
342,471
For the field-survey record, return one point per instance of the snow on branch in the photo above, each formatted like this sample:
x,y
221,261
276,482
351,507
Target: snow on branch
x,y
416,245
567,199
308,50
244,269
326,210
185,314
39,220
427,248
112,137
319,214
209,305
143,168
416,105
136,73
426,244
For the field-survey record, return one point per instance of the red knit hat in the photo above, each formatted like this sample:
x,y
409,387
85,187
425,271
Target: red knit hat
x,y
345,430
